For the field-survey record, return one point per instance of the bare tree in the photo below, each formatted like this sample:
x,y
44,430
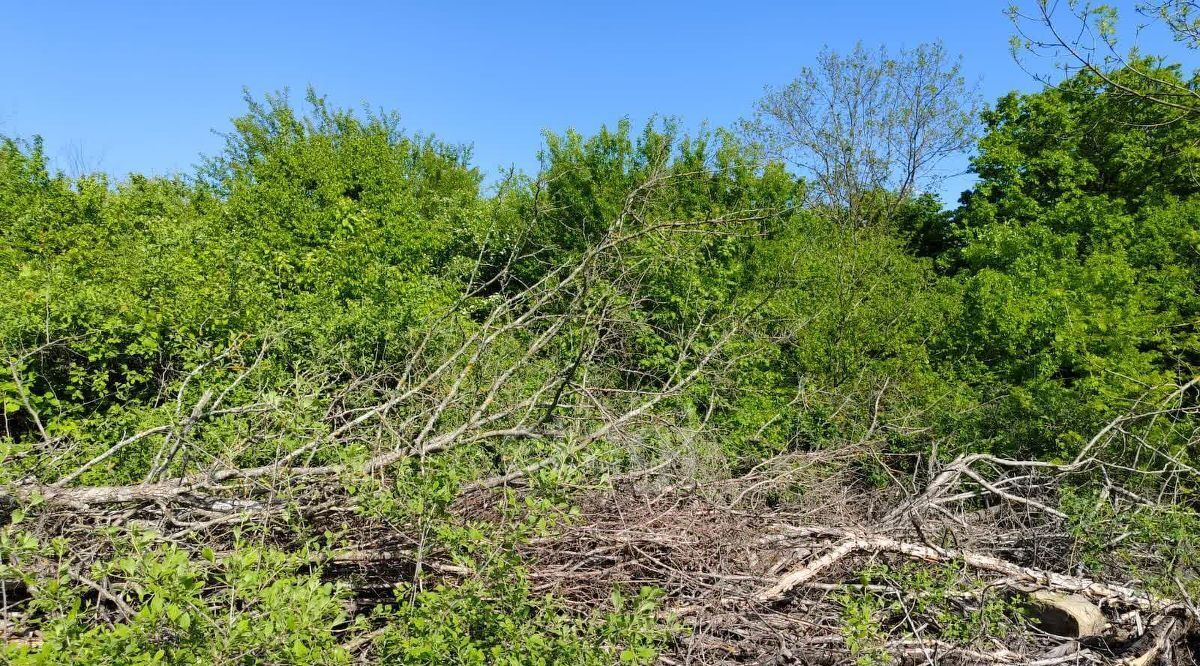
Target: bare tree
x,y
1074,36
869,127
78,161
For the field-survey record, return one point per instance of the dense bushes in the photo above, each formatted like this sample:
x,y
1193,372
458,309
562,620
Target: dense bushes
x,y
325,258
1076,254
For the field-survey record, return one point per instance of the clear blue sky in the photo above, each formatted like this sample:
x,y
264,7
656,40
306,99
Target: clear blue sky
x,y
140,86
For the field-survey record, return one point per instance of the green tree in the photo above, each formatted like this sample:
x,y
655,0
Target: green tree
x,y
1076,250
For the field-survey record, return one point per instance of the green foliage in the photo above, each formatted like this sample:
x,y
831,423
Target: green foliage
x,y
1074,254
494,617
340,225
504,624
249,606
861,629
336,229
1157,543
923,601
850,314
325,253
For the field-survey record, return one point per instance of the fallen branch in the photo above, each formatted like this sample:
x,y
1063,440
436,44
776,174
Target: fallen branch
x,y
1017,574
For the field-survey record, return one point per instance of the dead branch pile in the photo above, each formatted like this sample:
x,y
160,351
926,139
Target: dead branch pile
x,y
770,587
763,585
750,583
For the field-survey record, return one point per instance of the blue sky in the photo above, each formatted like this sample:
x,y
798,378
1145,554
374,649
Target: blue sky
x,y
140,86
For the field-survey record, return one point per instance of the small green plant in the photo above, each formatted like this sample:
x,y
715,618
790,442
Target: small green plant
x,y
862,615
501,622
252,605
920,600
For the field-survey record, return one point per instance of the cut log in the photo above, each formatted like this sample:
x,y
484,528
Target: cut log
x,y
1068,615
